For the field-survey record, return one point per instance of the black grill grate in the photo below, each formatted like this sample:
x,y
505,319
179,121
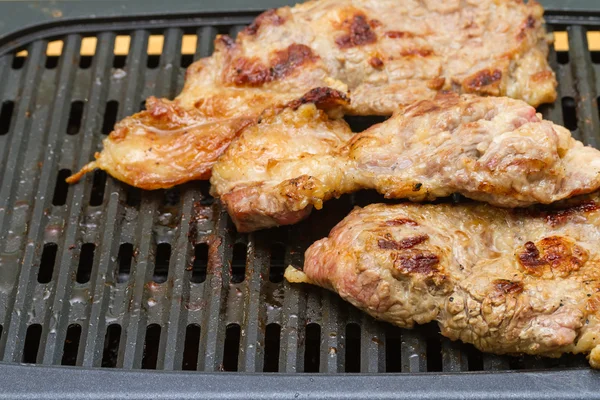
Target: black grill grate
x,y
102,274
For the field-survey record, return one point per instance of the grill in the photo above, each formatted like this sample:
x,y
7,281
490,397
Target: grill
x,y
109,279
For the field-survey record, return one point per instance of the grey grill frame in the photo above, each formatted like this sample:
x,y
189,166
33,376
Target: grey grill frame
x,y
37,146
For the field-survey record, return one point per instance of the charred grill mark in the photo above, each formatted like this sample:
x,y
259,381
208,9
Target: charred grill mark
x,y
483,78
531,256
359,33
322,97
401,221
421,108
542,76
376,62
555,254
422,52
269,17
226,41
505,286
287,60
559,217
254,73
399,34
528,24
406,243
416,261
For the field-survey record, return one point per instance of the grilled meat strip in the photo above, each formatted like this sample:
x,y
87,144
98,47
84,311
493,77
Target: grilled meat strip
x,y
384,52
506,281
492,149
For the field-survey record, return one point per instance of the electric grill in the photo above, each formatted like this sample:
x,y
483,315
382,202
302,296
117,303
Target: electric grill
x,y
111,280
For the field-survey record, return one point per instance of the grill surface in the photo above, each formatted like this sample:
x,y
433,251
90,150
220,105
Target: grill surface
x,y
100,274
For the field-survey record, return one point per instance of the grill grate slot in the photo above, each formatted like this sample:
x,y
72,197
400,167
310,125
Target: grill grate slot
x,y
6,114
112,340
434,352
272,343
231,350
569,113
61,189
110,116
200,263
74,124
124,259
87,51
161,265
71,346
86,262
151,343
121,50
47,263
97,194
32,343
191,347
238,262
393,361
19,59
277,263
312,350
352,348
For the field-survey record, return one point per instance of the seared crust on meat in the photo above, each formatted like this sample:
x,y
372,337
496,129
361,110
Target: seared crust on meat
x,y
492,149
385,53
506,281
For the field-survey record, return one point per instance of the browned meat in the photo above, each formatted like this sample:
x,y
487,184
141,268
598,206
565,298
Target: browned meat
x,y
506,281
492,149
384,53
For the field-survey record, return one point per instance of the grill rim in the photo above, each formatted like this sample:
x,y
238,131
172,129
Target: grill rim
x,y
56,381
70,382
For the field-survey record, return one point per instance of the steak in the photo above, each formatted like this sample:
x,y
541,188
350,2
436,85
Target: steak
x,y
385,53
492,149
506,281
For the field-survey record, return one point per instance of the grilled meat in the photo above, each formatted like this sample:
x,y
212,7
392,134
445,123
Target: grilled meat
x,y
506,281
492,149
385,53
